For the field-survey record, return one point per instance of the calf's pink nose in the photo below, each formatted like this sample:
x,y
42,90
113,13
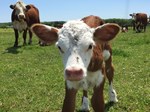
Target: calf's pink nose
x,y
74,73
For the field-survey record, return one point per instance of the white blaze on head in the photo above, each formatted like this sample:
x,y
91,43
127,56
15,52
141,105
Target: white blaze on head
x,y
133,16
75,43
20,8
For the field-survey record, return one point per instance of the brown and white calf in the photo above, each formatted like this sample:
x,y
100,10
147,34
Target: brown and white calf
x,y
124,28
87,57
23,16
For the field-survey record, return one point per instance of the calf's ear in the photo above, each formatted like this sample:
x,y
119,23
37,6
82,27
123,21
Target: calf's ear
x,y
45,33
106,32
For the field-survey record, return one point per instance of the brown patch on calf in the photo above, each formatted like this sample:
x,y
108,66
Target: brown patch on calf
x,y
109,68
93,21
97,100
70,98
96,60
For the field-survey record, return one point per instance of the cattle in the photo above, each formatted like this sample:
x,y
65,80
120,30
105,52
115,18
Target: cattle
x,y
140,21
23,16
124,28
87,58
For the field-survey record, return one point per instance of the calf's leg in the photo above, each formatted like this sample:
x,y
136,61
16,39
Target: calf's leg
x,y
109,69
24,37
16,38
69,101
97,100
85,102
30,37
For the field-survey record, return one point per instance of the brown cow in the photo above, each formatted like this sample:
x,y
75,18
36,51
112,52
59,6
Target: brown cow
x,y
140,21
87,57
23,16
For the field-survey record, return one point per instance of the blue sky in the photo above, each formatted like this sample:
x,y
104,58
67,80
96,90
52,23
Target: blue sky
x,y
62,10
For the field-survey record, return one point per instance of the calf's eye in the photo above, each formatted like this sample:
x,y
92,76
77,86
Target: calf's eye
x,y
90,47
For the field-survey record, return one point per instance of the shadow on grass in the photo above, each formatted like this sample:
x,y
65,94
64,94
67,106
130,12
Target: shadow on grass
x,y
12,50
108,105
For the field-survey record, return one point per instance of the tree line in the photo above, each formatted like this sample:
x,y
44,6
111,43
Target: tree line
x,y
58,24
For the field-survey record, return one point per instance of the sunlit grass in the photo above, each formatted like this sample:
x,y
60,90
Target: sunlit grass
x,y
31,77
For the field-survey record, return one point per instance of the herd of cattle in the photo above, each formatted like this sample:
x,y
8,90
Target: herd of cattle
x,y
85,50
24,16
139,22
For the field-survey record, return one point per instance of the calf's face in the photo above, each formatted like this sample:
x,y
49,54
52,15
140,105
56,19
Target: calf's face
x,y
76,41
75,44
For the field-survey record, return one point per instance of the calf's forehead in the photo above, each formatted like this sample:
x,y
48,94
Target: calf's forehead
x,y
75,32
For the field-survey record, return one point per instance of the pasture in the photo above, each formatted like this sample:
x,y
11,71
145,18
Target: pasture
x,y
31,77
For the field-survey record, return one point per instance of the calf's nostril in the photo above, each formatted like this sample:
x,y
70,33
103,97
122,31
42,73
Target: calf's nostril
x,y
74,72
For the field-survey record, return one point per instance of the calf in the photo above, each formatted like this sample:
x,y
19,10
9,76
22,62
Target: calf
x,y
86,53
23,16
124,28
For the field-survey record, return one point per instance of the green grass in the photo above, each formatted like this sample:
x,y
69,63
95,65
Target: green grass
x,y
31,77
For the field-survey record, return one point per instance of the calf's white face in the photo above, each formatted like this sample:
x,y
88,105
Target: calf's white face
x,y
75,40
75,44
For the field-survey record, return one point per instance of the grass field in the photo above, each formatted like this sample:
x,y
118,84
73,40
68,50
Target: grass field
x,y
31,77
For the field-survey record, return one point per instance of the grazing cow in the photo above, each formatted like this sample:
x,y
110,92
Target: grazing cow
x,y
140,21
23,16
87,57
